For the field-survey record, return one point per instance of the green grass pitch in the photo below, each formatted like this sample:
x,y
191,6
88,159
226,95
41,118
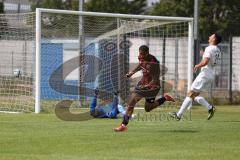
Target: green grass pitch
x,y
44,137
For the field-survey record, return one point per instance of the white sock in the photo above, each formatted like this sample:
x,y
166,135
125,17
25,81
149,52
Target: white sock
x,y
187,102
203,102
190,106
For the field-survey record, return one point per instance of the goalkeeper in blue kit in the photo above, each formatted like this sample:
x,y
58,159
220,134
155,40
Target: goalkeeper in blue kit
x,y
102,111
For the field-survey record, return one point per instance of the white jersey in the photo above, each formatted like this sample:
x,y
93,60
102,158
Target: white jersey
x,y
205,78
213,53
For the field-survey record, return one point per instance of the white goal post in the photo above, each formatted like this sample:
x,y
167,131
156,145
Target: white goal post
x,y
109,51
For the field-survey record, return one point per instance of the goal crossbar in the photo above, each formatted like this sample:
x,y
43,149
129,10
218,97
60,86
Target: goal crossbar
x,y
115,15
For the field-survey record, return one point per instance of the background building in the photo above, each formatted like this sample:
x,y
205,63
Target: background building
x,y
16,6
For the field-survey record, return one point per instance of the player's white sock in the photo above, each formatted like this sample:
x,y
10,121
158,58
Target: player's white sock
x,y
187,102
203,102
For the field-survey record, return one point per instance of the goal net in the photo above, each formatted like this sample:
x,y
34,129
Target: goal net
x,y
65,55
17,41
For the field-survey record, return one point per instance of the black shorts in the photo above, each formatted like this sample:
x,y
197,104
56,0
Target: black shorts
x,y
148,94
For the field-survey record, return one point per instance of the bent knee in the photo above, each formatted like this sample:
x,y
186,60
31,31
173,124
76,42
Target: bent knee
x,y
192,94
133,100
147,109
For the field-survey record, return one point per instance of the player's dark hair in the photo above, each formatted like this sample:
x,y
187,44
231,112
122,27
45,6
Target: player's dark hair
x,y
218,38
144,48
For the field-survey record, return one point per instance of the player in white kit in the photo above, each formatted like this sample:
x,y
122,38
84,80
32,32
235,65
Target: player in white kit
x,y
204,79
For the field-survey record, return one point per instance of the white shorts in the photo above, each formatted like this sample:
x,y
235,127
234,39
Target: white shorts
x,y
202,82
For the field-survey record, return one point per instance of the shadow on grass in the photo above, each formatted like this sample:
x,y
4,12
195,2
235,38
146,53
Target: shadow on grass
x,y
229,121
180,131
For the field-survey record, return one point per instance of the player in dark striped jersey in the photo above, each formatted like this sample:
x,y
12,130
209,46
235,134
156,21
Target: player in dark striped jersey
x,y
148,87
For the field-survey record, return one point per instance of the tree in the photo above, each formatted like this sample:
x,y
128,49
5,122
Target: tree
x,y
116,6
55,4
180,8
71,4
110,6
1,7
220,16
3,22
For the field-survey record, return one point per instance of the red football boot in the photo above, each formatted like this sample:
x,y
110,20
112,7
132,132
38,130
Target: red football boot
x,y
121,128
169,98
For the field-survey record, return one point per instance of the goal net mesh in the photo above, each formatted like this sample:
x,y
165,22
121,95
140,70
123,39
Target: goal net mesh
x,y
17,40
81,53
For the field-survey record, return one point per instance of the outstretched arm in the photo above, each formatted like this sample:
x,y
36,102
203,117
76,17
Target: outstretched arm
x,y
203,63
136,69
